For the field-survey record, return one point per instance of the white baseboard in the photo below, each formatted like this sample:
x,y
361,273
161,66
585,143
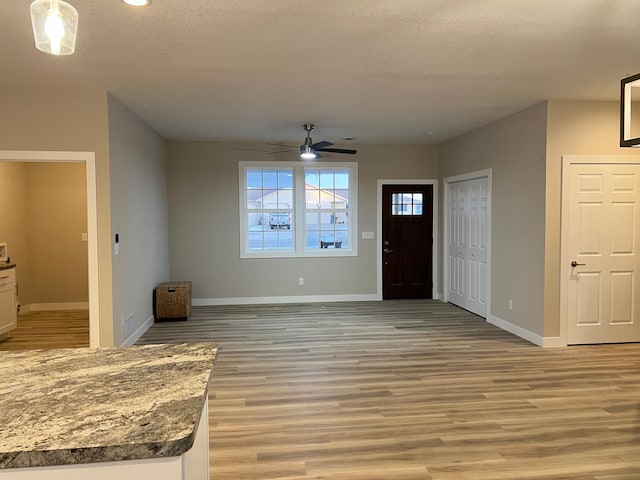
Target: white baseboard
x,y
553,342
40,307
546,342
135,336
206,302
516,330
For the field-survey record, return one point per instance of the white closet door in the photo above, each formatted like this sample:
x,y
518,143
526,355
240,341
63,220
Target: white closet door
x,y
457,287
468,203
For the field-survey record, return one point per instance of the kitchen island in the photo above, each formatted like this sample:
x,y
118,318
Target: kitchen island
x,y
123,412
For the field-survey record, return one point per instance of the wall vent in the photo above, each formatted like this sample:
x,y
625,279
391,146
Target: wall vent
x,y
128,325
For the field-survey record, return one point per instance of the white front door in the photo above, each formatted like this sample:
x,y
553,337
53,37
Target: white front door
x,y
601,256
467,244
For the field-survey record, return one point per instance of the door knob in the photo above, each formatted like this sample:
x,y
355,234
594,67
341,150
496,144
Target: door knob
x,y
386,250
575,264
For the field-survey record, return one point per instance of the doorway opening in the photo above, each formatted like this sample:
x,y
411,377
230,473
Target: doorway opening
x,y
88,158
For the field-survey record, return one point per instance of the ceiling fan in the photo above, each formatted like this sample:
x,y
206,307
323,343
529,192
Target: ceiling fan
x,y
310,150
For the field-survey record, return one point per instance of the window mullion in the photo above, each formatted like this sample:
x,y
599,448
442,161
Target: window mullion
x,y
300,208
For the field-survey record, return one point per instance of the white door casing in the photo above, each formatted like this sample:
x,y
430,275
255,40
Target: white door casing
x,y
467,241
89,159
601,217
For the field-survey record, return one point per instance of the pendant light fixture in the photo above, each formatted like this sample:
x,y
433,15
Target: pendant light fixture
x,y
55,24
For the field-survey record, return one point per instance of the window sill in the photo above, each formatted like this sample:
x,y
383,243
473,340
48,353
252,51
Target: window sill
x,y
319,253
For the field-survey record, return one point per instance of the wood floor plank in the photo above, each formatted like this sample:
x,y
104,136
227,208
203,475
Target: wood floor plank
x,y
405,390
49,329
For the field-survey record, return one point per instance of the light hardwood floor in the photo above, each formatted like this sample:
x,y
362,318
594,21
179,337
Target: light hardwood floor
x,y
50,329
404,390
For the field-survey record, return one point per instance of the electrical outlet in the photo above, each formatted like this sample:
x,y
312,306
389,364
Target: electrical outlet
x,y
301,281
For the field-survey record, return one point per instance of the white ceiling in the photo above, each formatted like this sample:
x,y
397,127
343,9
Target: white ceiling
x,y
387,71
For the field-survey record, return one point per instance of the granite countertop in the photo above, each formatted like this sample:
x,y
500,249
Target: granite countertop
x,y
82,405
4,266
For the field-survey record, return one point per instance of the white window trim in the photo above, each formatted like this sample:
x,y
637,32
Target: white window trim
x,y
299,209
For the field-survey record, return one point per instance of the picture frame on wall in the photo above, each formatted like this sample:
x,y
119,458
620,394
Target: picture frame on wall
x,y
630,111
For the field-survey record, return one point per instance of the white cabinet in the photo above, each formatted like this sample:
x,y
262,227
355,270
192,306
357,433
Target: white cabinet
x,y
8,313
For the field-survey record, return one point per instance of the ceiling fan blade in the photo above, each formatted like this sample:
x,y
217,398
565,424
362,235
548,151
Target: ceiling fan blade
x,y
281,151
281,145
248,149
321,145
337,150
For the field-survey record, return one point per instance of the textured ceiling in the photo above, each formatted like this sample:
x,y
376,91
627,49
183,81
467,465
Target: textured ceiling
x,y
410,71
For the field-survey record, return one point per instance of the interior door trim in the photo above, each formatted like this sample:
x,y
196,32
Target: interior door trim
x,y
447,181
436,235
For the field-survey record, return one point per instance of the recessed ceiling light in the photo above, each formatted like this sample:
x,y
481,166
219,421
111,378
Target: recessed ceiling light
x,y
137,3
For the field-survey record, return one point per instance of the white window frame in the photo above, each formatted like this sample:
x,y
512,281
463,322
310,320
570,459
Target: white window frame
x,y
299,210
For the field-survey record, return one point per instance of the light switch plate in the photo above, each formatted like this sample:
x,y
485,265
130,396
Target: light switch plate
x,y
368,235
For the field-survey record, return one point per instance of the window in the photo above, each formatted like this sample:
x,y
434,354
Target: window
x,y
269,209
406,204
291,209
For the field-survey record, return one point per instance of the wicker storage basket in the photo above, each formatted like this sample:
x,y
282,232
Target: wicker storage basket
x,y
172,301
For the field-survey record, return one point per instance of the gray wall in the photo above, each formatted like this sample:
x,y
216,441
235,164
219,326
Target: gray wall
x,y
205,233
514,148
138,214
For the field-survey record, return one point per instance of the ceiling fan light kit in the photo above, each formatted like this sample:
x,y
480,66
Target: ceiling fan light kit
x,y
55,25
310,150
306,153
